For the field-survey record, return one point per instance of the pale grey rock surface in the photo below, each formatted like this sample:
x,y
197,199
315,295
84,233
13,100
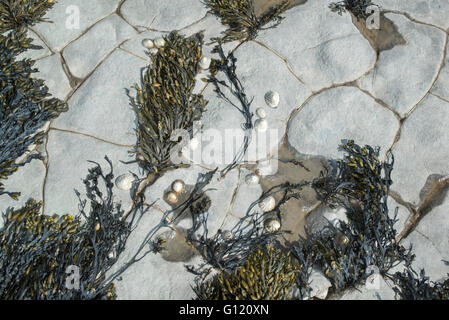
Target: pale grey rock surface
x,y
100,107
159,15
433,12
422,149
322,47
50,69
64,17
404,74
113,31
68,165
402,216
340,113
245,195
441,87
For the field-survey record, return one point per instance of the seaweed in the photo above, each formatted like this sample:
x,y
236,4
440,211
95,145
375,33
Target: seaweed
x,y
227,65
242,22
36,249
267,274
15,14
25,105
360,183
164,102
356,7
413,286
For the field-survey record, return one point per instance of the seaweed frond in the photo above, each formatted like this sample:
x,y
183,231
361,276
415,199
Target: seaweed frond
x,y
15,14
241,19
164,102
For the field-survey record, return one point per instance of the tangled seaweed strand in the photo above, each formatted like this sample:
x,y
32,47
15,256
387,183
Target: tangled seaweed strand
x,y
267,274
240,17
359,183
36,249
356,7
24,104
15,14
228,66
165,103
411,286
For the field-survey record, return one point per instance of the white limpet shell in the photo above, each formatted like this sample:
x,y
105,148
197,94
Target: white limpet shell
x,y
125,181
252,179
267,204
261,125
261,113
171,197
272,99
159,42
153,51
272,224
178,186
148,43
204,63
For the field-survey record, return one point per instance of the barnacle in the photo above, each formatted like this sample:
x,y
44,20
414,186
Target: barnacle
x,y
241,19
268,273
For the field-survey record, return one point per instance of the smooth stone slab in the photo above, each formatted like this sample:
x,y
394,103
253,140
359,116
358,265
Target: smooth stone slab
x,y
340,113
422,149
441,86
322,47
35,54
210,24
65,27
163,16
104,36
28,180
219,192
404,74
433,12
50,70
68,166
152,277
100,107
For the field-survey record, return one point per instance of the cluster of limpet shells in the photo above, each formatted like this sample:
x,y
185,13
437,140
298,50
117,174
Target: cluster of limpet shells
x,y
272,100
153,45
177,187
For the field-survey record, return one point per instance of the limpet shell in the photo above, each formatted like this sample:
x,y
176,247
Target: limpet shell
x,y
261,113
252,179
125,181
272,99
171,197
159,42
261,125
178,186
153,51
204,63
148,43
267,204
272,224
